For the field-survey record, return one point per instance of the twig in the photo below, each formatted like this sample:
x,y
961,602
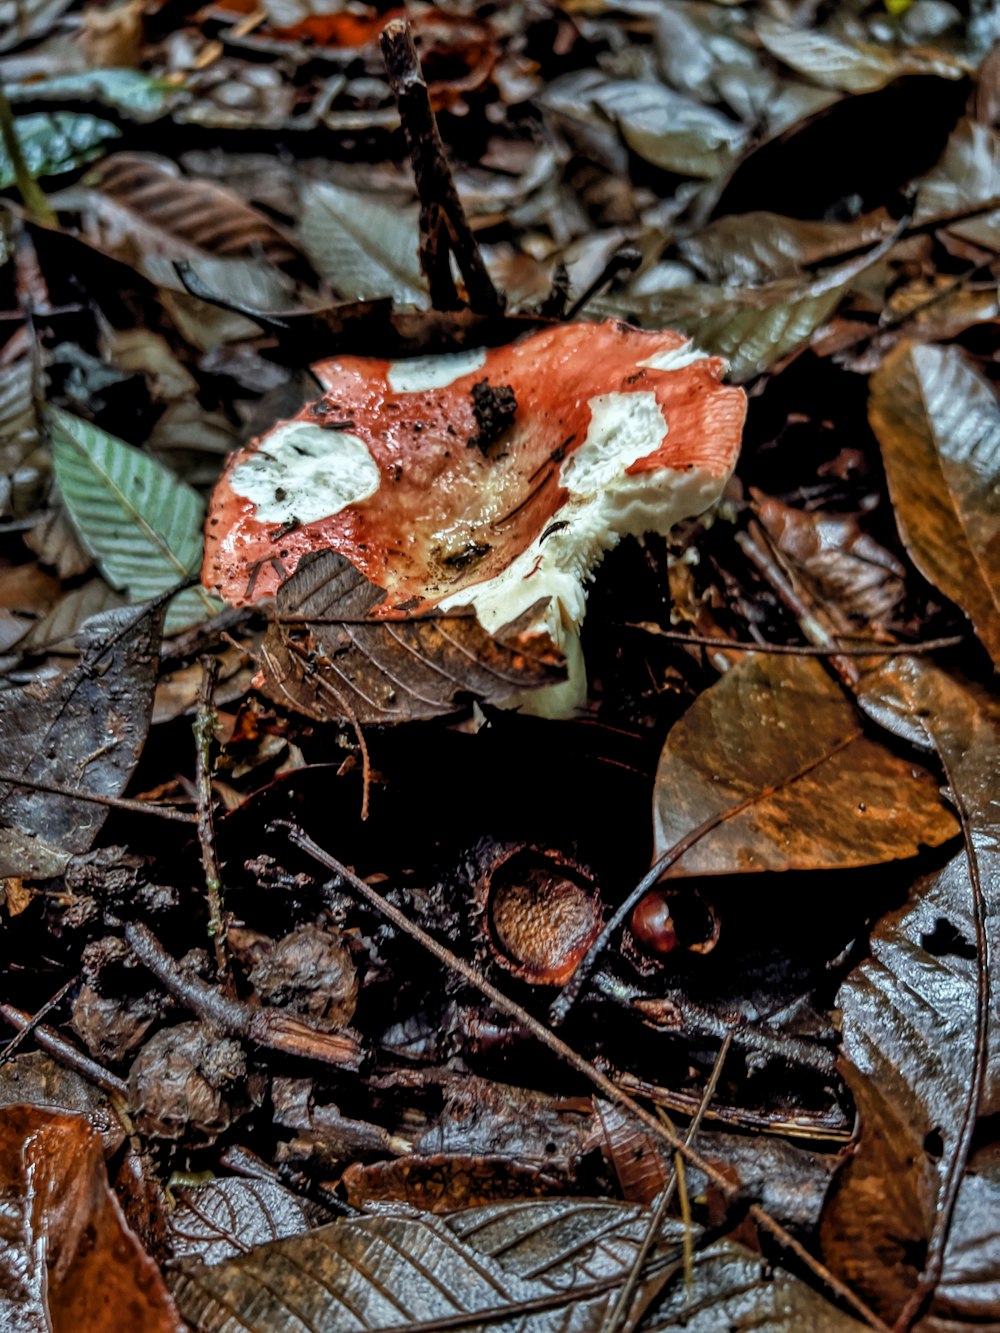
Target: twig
x,y
626,260
444,228
876,649
94,798
265,1027
616,1319
204,733
582,1066
47,1039
34,1019
559,1011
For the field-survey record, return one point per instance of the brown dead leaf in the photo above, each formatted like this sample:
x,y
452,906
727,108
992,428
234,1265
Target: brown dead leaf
x,y
70,1262
778,735
445,1182
324,658
938,424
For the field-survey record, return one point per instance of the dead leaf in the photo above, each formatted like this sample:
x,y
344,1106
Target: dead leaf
x,y
323,658
446,1182
919,1031
67,1258
938,424
966,178
85,730
230,1216
744,741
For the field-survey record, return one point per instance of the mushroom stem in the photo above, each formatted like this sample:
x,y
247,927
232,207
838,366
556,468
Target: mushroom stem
x,y
444,228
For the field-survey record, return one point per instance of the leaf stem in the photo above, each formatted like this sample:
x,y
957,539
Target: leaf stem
x,y
31,192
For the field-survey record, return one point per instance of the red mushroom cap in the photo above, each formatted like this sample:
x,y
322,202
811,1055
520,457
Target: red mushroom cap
x,y
492,477
386,467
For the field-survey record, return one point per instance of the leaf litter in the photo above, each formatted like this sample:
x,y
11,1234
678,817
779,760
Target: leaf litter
x,y
342,1084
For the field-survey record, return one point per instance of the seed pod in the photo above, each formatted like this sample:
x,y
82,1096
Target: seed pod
x,y
667,919
540,911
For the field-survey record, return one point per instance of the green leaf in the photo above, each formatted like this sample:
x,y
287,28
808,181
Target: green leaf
x,y
365,249
56,141
126,89
141,524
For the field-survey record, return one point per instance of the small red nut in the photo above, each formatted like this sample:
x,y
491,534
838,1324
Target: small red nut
x,y
653,924
667,919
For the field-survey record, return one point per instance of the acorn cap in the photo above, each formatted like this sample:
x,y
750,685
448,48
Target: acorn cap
x,y
490,478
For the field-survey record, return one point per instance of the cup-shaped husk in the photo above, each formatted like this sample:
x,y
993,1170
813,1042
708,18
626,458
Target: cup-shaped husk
x,y
539,911
669,918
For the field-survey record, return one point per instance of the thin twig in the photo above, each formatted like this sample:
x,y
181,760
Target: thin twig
x,y
204,734
265,1027
616,1319
95,798
582,1066
626,260
559,1010
444,228
56,1045
34,1020
874,649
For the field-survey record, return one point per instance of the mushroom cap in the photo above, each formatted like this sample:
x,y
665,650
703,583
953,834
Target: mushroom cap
x,y
491,477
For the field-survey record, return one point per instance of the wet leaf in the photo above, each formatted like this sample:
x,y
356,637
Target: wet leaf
x,y
672,132
364,249
753,248
129,90
834,62
72,609
938,424
158,211
139,521
569,1255
21,19
763,722
752,327
67,1258
967,177
56,141
446,1182
83,730
919,1033
230,1216
392,670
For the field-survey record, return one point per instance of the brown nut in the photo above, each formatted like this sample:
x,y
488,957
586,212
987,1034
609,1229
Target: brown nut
x,y
666,919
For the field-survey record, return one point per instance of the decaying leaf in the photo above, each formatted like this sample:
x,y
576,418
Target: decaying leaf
x,y
744,741
966,178
230,1215
83,730
158,211
918,1022
68,1261
363,249
938,424
324,657
567,1257
835,62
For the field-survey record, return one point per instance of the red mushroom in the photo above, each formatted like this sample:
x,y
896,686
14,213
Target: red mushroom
x,y
490,478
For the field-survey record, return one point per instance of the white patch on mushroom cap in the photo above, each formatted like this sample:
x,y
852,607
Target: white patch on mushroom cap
x,y
605,504
674,358
434,372
307,473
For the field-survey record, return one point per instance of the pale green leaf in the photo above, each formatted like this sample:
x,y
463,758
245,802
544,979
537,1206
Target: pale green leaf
x,y
127,89
141,524
56,141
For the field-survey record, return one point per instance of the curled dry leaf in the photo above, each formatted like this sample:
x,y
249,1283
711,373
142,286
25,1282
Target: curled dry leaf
x,y
83,730
67,1256
777,736
938,424
325,656
494,479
